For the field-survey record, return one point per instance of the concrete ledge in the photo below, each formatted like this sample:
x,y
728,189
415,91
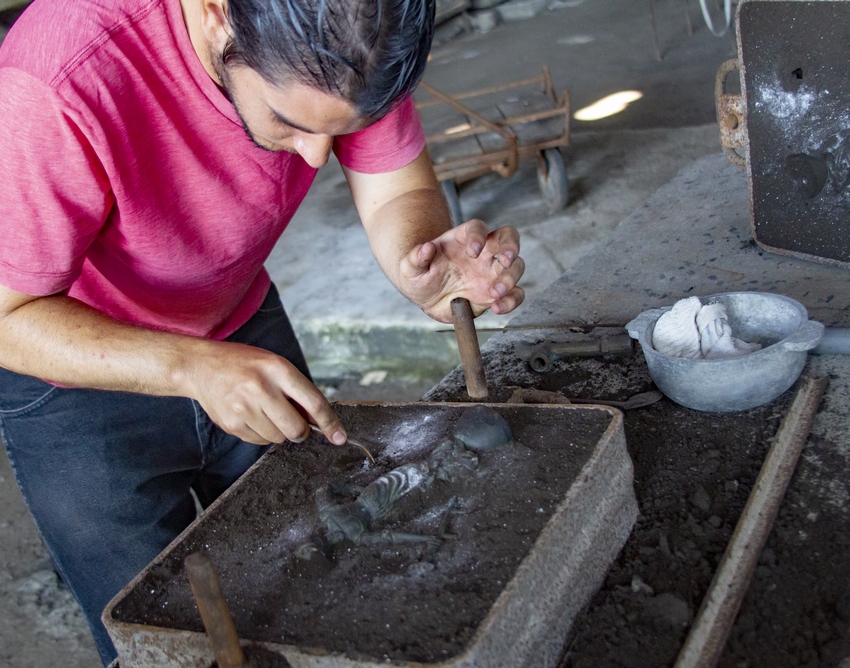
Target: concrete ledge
x,y
411,352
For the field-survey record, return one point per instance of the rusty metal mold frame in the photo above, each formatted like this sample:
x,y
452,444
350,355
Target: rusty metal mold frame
x,y
530,620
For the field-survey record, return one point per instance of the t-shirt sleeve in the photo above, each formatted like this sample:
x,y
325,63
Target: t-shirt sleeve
x,y
391,143
55,195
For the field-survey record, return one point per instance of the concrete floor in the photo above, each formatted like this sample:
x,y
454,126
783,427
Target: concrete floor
x,y
347,313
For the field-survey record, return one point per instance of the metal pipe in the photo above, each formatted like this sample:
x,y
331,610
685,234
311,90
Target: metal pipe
x,y
452,101
348,440
704,644
215,614
835,341
470,352
584,327
541,356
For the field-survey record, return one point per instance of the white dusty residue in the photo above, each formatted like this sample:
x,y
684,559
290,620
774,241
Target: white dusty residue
x,y
410,436
297,532
782,104
828,123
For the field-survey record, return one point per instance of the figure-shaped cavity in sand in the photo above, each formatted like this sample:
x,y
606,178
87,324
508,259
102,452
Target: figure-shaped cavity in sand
x,y
479,429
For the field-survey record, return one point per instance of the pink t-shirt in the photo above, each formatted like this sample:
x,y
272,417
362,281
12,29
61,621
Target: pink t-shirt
x,y
128,181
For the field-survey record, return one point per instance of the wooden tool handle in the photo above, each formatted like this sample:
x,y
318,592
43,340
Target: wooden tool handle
x,y
470,353
215,614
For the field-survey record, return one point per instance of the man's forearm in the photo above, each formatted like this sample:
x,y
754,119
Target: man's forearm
x,y
400,225
248,391
62,340
399,211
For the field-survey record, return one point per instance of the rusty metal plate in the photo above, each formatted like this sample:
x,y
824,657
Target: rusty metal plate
x,y
797,89
514,612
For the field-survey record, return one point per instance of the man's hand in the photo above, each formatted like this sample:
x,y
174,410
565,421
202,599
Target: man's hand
x,y
407,221
260,397
467,261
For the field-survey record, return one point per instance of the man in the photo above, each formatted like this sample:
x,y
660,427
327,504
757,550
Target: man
x,y
153,151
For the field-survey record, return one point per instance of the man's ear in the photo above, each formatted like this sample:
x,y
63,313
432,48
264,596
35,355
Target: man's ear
x,y
215,23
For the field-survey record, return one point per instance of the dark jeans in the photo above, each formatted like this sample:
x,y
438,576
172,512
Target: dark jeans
x,y
107,475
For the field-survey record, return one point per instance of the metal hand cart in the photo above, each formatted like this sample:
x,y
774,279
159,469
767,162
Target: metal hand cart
x,y
491,129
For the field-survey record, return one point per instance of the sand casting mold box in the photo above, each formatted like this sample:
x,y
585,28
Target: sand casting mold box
x,y
526,624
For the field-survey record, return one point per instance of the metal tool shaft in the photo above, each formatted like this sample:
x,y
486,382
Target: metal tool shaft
x,y
470,352
350,441
705,642
215,614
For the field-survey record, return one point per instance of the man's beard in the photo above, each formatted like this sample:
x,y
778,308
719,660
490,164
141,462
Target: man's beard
x,y
223,74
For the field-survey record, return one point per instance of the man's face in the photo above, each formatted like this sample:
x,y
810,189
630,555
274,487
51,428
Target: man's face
x,y
293,118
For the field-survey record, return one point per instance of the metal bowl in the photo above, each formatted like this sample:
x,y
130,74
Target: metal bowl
x,y
778,323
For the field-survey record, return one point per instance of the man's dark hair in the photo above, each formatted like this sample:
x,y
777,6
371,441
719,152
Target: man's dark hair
x,y
370,52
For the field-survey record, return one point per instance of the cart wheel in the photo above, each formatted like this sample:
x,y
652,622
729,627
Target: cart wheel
x,y
450,192
553,181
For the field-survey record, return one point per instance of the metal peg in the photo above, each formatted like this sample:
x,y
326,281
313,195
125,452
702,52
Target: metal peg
x,y
215,614
470,352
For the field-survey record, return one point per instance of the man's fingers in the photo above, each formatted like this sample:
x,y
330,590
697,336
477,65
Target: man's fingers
x,y
273,421
261,397
420,257
304,404
474,236
269,432
259,431
509,302
334,432
280,421
507,280
506,240
323,416
314,406
467,261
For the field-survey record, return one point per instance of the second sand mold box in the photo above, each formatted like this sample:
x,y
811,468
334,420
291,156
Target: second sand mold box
x,y
406,602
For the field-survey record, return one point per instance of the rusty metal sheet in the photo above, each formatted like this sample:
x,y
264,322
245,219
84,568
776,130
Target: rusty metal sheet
x,y
797,91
